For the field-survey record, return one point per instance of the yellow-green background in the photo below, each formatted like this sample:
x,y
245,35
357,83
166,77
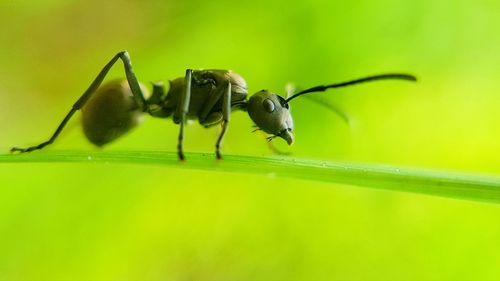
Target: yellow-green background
x,y
134,222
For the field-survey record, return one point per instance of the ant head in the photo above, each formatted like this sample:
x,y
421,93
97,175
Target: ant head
x,y
271,113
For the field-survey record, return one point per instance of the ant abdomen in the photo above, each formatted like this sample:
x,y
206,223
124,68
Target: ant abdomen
x,y
111,112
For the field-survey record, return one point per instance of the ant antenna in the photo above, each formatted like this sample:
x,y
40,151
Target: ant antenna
x,y
357,81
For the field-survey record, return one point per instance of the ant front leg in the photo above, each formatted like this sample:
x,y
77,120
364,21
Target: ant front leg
x,y
226,113
208,117
134,87
182,110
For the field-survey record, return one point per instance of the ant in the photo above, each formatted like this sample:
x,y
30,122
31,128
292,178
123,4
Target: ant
x,y
111,110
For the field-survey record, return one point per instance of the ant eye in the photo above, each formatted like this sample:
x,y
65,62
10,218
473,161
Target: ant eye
x,y
268,105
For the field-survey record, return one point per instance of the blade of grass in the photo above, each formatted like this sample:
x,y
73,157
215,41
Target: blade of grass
x,y
440,183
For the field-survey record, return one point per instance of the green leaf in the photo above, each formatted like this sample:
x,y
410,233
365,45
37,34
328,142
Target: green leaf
x,y
440,183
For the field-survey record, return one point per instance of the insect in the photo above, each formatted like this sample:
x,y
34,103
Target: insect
x,y
111,110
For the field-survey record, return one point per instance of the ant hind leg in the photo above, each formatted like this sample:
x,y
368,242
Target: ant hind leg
x,y
133,83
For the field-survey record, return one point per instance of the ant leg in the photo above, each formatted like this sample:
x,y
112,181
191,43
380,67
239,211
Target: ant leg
x,y
133,83
212,99
226,113
182,110
206,117
52,138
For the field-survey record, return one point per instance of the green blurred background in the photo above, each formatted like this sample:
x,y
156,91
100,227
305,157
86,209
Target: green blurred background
x,y
133,222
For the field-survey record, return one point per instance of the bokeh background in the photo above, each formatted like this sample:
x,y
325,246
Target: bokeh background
x,y
134,222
